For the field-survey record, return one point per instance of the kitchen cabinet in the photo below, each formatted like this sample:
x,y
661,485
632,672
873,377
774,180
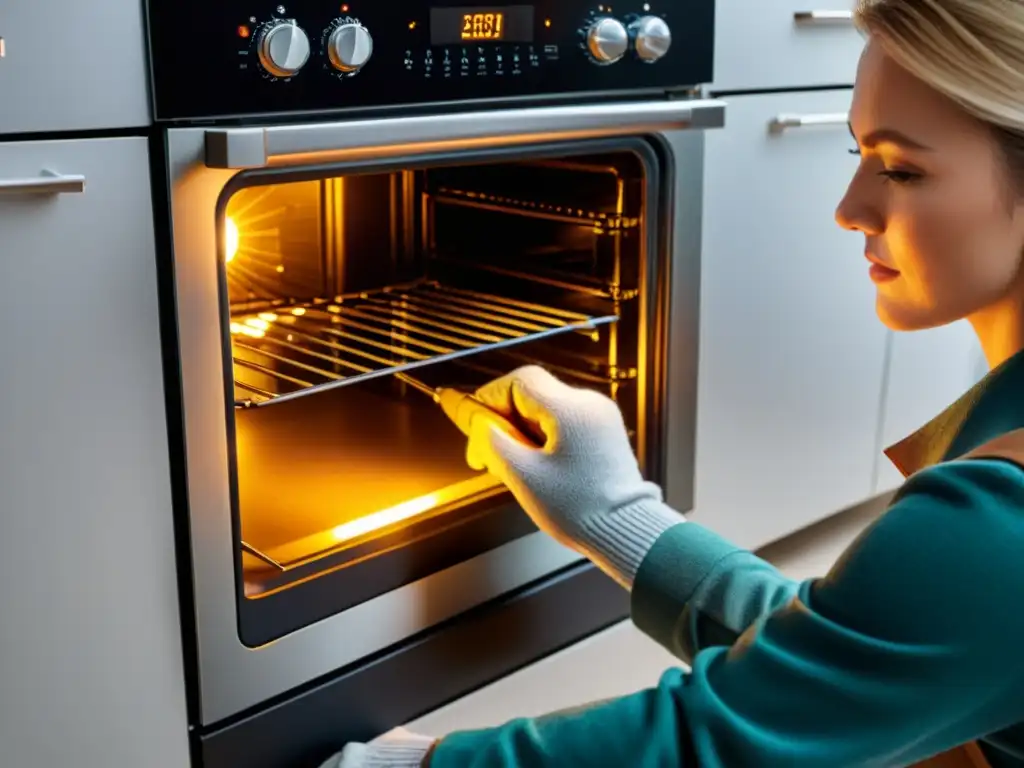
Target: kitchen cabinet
x,y
91,669
792,354
72,66
784,44
927,371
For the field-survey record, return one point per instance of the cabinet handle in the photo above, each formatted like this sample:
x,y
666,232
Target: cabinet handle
x,y
46,183
823,17
780,123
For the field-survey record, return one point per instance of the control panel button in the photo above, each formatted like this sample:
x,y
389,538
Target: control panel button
x,y
607,40
651,37
283,48
349,47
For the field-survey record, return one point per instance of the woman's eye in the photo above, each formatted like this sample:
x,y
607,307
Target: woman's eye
x,y
899,177
854,151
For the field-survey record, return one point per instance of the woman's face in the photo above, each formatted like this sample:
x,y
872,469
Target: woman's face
x,y
943,228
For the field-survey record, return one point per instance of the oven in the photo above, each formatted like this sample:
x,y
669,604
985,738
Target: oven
x,y
424,198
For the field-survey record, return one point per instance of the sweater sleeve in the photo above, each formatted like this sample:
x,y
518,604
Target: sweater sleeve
x,y
908,647
694,589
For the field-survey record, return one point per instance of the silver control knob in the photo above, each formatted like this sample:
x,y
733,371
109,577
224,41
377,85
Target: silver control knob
x,y
651,37
349,47
283,48
607,40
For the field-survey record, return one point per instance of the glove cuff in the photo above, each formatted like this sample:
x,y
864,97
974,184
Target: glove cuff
x,y
390,755
618,541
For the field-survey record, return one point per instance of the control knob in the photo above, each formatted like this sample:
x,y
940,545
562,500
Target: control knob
x,y
283,48
651,37
607,40
349,47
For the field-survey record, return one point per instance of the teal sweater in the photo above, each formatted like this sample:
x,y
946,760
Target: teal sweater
x,y
911,645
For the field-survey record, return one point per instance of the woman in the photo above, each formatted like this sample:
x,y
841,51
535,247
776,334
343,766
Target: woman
x,y
914,642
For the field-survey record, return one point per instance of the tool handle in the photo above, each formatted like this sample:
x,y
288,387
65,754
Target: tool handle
x,y
462,408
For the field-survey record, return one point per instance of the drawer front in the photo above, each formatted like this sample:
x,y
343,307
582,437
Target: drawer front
x,y
88,581
72,66
784,44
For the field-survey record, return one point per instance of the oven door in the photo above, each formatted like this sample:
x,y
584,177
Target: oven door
x,y
260,636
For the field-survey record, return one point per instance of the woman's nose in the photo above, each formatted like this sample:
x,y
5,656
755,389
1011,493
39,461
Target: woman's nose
x,y
856,214
844,217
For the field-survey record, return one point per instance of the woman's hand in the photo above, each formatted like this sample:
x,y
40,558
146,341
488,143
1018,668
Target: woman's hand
x,y
565,454
397,748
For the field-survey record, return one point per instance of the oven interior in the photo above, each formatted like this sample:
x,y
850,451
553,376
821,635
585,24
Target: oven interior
x,y
349,297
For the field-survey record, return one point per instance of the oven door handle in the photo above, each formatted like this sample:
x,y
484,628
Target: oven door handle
x,y
259,147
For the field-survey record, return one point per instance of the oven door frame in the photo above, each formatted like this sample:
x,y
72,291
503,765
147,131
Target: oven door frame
x,y
234,678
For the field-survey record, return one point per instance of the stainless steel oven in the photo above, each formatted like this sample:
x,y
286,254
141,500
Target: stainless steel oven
x,y
330,271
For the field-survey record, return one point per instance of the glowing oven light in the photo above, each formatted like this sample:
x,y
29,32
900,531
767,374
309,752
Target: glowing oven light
x,y
385,517
230,239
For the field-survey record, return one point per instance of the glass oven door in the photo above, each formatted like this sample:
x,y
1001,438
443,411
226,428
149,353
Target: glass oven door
x,y
349,299
323,299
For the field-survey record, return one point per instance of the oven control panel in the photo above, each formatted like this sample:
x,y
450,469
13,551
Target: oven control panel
x,y
258,58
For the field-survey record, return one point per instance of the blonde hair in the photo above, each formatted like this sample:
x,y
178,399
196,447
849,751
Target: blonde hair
x,y
972,51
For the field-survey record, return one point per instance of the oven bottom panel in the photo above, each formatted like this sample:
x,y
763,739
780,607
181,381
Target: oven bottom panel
x,y
482,646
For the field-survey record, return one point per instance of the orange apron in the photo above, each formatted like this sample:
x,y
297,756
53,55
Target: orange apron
x,y
1011,448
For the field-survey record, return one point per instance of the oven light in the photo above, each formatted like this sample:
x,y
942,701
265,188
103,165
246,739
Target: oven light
x,y
386,517
257,323
230,239
238,329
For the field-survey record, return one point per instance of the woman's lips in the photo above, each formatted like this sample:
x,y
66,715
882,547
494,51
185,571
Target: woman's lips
x,y
879,272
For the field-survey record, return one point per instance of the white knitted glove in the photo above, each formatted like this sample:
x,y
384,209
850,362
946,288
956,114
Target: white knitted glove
x,y
397,748
582,485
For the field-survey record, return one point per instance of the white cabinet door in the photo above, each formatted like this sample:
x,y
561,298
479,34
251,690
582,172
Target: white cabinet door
x,y
762,44
90,643
791,352
72,65
928,370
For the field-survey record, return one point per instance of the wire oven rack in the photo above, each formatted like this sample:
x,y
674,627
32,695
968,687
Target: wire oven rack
x,y
305,348
602,222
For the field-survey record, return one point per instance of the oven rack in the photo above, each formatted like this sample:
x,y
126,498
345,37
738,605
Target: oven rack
x,y
561,280
602,222
304,348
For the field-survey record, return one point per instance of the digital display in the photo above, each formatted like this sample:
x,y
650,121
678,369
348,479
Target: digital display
x,y
508,24
483,26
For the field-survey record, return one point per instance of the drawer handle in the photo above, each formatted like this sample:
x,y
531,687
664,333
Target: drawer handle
x,y
780,123
823,17
46,183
